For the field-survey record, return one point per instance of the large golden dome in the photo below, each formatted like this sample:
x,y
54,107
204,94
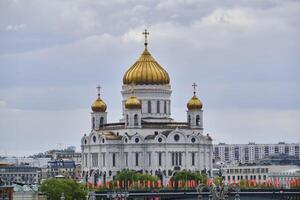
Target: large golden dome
x,y
98,105
133,103
146,71
194,103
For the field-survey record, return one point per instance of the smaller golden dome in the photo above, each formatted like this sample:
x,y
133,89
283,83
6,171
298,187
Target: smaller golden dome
x,y
98,105
133,103
194,103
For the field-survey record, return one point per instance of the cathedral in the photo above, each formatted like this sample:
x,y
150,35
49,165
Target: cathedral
x,y
146,139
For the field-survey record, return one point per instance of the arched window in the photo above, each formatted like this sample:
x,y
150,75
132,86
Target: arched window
x,y
136,122
93,122
165,107
158,106
149,106
127,120
189,119
101,122
197,120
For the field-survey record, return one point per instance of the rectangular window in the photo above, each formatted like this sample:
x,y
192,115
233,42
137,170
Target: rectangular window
x,y
94,159
159,158
173,159
165,107
176,159
180,156
113,159
136,159
193,158
158,106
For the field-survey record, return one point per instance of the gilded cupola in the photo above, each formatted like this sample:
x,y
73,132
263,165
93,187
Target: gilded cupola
x,y
146,70
99,105
194,103
133,102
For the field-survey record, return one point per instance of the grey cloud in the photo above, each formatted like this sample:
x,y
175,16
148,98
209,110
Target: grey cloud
x,y
243,55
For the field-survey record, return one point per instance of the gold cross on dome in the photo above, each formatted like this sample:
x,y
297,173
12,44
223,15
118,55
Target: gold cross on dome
x,y
146,33
194,86
98,88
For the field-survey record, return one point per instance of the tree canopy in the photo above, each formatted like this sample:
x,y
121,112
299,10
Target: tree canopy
x,y
72,190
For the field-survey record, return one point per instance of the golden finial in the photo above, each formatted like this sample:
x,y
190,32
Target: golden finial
x,y
98,88
194,86
146,33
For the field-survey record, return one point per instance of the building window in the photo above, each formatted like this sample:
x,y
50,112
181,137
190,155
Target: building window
x,y
197,120
165,107
159,158
137,140
193,140
180,158
93,122
94,139
127,120
176,137
158,106
101,122
159,140
189,120
193,158
136,159
136,122
173,158
149,106
94,159
114,159
149,158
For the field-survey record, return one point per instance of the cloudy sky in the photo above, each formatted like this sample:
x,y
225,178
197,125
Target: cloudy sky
x,y
244,56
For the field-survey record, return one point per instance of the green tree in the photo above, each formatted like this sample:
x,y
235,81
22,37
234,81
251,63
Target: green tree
x,y
72,190
185,175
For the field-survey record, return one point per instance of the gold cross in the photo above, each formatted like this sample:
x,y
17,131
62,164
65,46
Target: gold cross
x,y
146,33
194,86
98,88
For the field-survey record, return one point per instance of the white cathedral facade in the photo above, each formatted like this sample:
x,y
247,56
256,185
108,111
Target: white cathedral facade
x,y
146,139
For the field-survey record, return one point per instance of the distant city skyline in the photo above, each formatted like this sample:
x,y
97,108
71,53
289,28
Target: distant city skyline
x,y
244,57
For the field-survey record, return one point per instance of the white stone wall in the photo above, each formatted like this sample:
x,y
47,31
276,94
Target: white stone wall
x,y
136,143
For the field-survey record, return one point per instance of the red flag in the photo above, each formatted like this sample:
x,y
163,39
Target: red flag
x,y
173,184
249,182
228,181
207,182
98,184
254,183
139,184
199,182
159,184
149,184
118,184
144,184
107,185
122,183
